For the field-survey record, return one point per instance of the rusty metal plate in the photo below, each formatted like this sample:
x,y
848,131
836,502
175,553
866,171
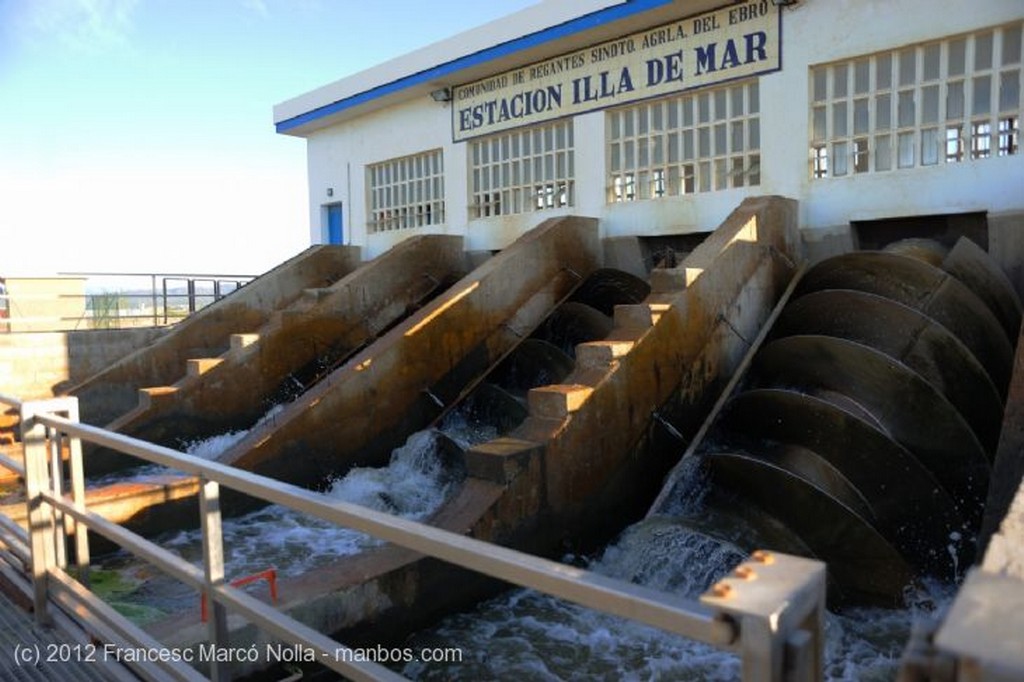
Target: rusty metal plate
x,y
865,565
906,407
534,362
970,264
907,505
909,336
572,324
491,405
608,287
934,292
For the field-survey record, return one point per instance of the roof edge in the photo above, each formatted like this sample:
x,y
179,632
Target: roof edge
x,y
604,15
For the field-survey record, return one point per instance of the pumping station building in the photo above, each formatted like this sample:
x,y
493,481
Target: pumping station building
x,y
727,294
657,117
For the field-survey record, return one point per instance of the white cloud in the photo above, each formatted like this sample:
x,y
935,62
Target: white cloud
x,y
82,25
257,6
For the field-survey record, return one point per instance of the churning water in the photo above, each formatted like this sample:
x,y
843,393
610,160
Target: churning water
x,y
523,634
207,448
414,484
531,636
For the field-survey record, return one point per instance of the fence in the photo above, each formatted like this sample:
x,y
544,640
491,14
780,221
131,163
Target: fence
x,y
94,300
770,610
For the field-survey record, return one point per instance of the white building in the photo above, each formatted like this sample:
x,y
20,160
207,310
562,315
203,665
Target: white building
x,y
659,116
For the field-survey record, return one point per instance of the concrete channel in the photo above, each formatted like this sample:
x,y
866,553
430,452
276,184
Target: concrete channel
x,y
873,356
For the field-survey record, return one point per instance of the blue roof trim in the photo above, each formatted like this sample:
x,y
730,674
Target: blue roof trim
x,y
568,28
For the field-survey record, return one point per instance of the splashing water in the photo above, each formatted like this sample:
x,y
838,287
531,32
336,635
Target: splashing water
x,y
413,485
526,634
538,637
208,448
467,432
529,635
416,482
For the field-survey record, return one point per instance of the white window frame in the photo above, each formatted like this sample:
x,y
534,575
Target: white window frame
x,y
949,101
523,170
405,192
702,141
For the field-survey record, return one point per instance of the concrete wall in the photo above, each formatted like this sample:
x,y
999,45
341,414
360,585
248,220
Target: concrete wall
x,y
590,453
37,304
113,392
318,331
41,364
1006,245
398,384
814,32
1001,539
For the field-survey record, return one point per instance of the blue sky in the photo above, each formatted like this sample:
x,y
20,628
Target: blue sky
x,y
137,135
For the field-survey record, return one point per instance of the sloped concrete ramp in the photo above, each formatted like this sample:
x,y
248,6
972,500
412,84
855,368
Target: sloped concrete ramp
x,y
590,451
109,394
297,345
406,379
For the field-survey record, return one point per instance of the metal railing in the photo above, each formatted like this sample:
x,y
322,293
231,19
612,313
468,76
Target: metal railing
x,y
116,301
770,611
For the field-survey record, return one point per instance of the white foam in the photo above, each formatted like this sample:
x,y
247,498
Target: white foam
x,y
413,485
208,448
527,634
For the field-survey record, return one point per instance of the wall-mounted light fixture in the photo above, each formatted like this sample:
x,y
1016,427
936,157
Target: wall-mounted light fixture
x,y
330,191
442,95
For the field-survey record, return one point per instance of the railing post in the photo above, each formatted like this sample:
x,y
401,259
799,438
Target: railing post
x,y
779,602
77,475
152,293
40,518
979,637
60,545
164,281
213,571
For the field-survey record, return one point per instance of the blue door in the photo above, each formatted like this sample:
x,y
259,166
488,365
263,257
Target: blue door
x,y
334,224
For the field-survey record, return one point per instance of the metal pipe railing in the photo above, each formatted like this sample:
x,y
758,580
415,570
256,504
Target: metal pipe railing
x,y
123,305
722,627
684,617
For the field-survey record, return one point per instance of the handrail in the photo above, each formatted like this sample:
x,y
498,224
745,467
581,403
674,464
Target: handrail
x,y
736,625
269,575
6,461
123,306
684,617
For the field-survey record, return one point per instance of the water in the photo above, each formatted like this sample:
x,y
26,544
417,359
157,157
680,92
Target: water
x,y
523,634
526,635
209,448
413,485
419,478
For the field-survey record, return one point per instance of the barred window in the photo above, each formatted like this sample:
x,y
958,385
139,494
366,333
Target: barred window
x,y
522,171
950,101
700,142
406,192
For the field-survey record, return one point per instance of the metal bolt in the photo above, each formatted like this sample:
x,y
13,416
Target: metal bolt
x,y
763,557
745,572
721,590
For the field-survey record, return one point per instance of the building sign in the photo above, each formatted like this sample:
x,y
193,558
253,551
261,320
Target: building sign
x,y
733,42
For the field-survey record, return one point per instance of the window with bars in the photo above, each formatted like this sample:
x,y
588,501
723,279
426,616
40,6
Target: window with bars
x,y
699,142
522,171
406,192
949,101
